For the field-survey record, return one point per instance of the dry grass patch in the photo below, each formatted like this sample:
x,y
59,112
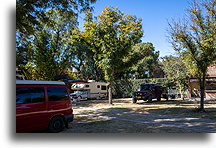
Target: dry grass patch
x,y
97,116
89,124
175,107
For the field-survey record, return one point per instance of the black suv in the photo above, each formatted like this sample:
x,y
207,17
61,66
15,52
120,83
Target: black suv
x,y
147,92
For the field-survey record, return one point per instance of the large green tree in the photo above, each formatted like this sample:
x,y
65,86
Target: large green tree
x,y
146,67
50,46
83,59
28,12
42,31
111,36
195,39
175,68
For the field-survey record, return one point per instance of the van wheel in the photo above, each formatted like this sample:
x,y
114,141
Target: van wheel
x,y
56,125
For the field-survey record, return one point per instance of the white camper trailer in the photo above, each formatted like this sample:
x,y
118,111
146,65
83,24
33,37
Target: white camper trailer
x,y
89,90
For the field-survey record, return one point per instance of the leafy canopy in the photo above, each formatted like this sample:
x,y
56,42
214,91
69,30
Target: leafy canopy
x,y
195,37
29,11
111,36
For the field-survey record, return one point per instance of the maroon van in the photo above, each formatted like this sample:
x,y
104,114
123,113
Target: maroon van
x,y
42,105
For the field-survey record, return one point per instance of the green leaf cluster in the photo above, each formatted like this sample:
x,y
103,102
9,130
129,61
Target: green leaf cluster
x,y
176,69
43,29
127,86
195,38
111,36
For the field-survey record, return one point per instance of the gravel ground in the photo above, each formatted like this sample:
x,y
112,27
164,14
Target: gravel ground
x,y
173,116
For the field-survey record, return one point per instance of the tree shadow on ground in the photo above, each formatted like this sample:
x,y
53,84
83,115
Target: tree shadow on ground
x,y
127,120
210,113
173,101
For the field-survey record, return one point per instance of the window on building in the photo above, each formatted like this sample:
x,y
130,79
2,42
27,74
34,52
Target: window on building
x,y
98,86
210,85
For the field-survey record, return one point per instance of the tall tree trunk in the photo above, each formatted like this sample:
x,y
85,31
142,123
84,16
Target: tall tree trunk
x,y
110,93
202,92
181,91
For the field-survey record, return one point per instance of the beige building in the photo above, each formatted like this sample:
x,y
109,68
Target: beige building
x,y
210,91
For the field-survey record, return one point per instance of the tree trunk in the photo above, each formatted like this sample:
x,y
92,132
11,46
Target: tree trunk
x,y
110,93
181,91
202,92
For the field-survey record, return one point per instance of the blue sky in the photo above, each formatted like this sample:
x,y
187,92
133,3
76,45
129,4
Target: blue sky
x,y
155,15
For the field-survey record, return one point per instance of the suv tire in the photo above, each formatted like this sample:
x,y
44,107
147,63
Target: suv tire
x,y
134,100
149,99
158,98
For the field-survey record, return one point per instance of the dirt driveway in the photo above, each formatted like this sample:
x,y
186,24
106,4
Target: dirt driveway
x,y
173,116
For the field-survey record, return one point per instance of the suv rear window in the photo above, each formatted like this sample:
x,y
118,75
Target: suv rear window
x,y
29,95
57,93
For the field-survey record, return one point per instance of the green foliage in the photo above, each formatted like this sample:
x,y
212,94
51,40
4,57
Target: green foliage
x,y
175,68
146,66
50,46
196,40
28,71
42,35
111,37
127,86
83,58
28,12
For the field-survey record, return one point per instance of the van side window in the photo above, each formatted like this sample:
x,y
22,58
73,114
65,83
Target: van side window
x,y
103,87
87,85
29,95
57,93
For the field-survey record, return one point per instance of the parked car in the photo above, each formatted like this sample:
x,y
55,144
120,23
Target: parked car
x,y
147,92
42,105
79,95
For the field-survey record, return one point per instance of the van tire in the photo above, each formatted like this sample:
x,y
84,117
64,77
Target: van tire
x,y
56,125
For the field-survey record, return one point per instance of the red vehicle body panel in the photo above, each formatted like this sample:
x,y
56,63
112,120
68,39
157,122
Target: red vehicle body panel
x,y
37,116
